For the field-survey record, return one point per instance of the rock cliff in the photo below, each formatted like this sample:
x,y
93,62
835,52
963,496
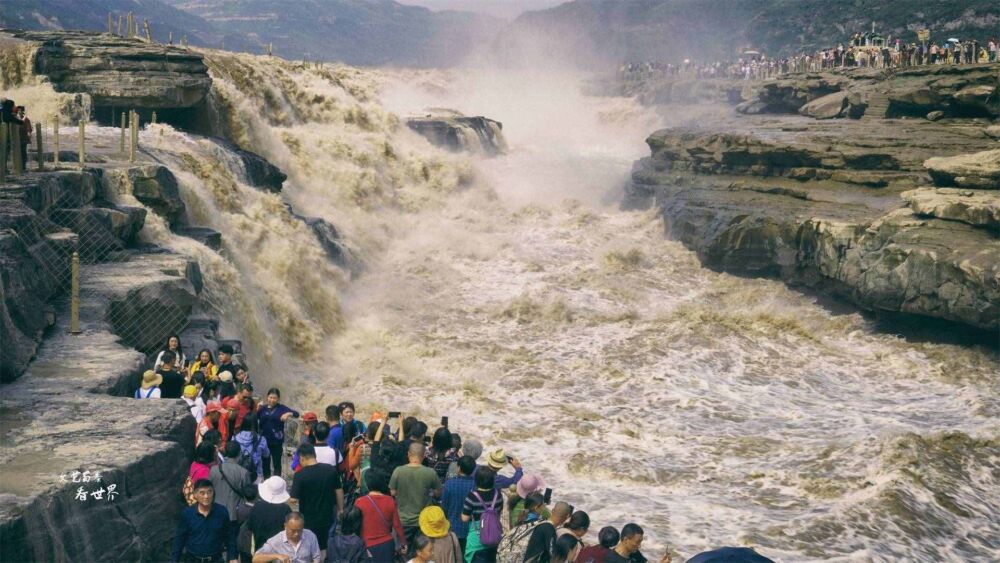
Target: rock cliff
x,y
118,73
894,215
65,412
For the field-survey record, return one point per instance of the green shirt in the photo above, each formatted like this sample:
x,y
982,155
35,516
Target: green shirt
x,y
413,486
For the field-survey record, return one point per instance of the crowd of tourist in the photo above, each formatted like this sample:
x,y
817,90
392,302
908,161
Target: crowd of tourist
x,y
383,491
864,50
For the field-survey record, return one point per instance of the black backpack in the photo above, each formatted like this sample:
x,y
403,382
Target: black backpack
x,y
246,457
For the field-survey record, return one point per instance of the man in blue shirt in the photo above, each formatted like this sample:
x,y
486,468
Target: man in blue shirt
x,y
203,532
453,497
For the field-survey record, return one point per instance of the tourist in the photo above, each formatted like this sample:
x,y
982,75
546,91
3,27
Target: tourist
x,y
324,453
441,454
272,417
473,449
544,534
484,497
231,483
413,485
268,515
318,491
350,427
244,537
435,526
532,509
194,402
730,555
578,524
627,550
252,444
359,452
381,518
173,345
607,539
213,413
173,380
345,544
309,422
203,533
150,387
205,365
295,544
204,458
226,363
242,375
232,411
332,414
516,503
454,494
566,548
227,388
423,550
497,461
247,404
26,131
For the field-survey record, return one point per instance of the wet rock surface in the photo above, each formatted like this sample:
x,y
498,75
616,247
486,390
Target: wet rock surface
x,y
461,134
120,72
838,205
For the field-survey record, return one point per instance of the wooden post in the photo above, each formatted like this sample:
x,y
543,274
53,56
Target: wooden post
x,y
111,29
17,166
4,137
55,135
134,144
121,146
170,38
74,294
128,25
38,147
82,145
119,25
269,47
149,34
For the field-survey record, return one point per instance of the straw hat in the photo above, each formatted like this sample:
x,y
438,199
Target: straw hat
x,y
433,522
497,460
530,484
273,490
225,376
151,379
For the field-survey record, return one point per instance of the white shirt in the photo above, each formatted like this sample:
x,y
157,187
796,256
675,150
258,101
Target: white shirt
x,y
197,407
179,361
328,455
145,393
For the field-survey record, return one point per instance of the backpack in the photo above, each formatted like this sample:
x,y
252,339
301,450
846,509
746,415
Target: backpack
x,y
490,530
513,546
246,458
187,491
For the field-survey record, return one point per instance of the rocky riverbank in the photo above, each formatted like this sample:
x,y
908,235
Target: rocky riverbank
x,y
895,215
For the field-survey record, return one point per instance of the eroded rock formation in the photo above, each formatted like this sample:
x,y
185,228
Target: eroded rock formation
x,y
461,134
820,205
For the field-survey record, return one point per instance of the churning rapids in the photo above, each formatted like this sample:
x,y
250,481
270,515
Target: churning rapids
x,y
513,296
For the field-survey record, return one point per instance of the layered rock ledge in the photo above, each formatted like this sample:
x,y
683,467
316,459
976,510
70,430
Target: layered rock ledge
x,y
843,206
459,133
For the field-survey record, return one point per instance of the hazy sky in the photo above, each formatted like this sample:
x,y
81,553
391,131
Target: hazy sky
x,y
501,8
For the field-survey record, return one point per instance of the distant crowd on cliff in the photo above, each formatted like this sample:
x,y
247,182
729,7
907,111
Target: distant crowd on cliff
x,y
864,50
386,491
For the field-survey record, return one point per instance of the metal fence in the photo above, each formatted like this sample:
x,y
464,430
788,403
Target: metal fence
x,y
86,241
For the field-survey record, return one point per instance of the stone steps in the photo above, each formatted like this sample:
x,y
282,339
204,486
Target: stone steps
x,y
878,106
